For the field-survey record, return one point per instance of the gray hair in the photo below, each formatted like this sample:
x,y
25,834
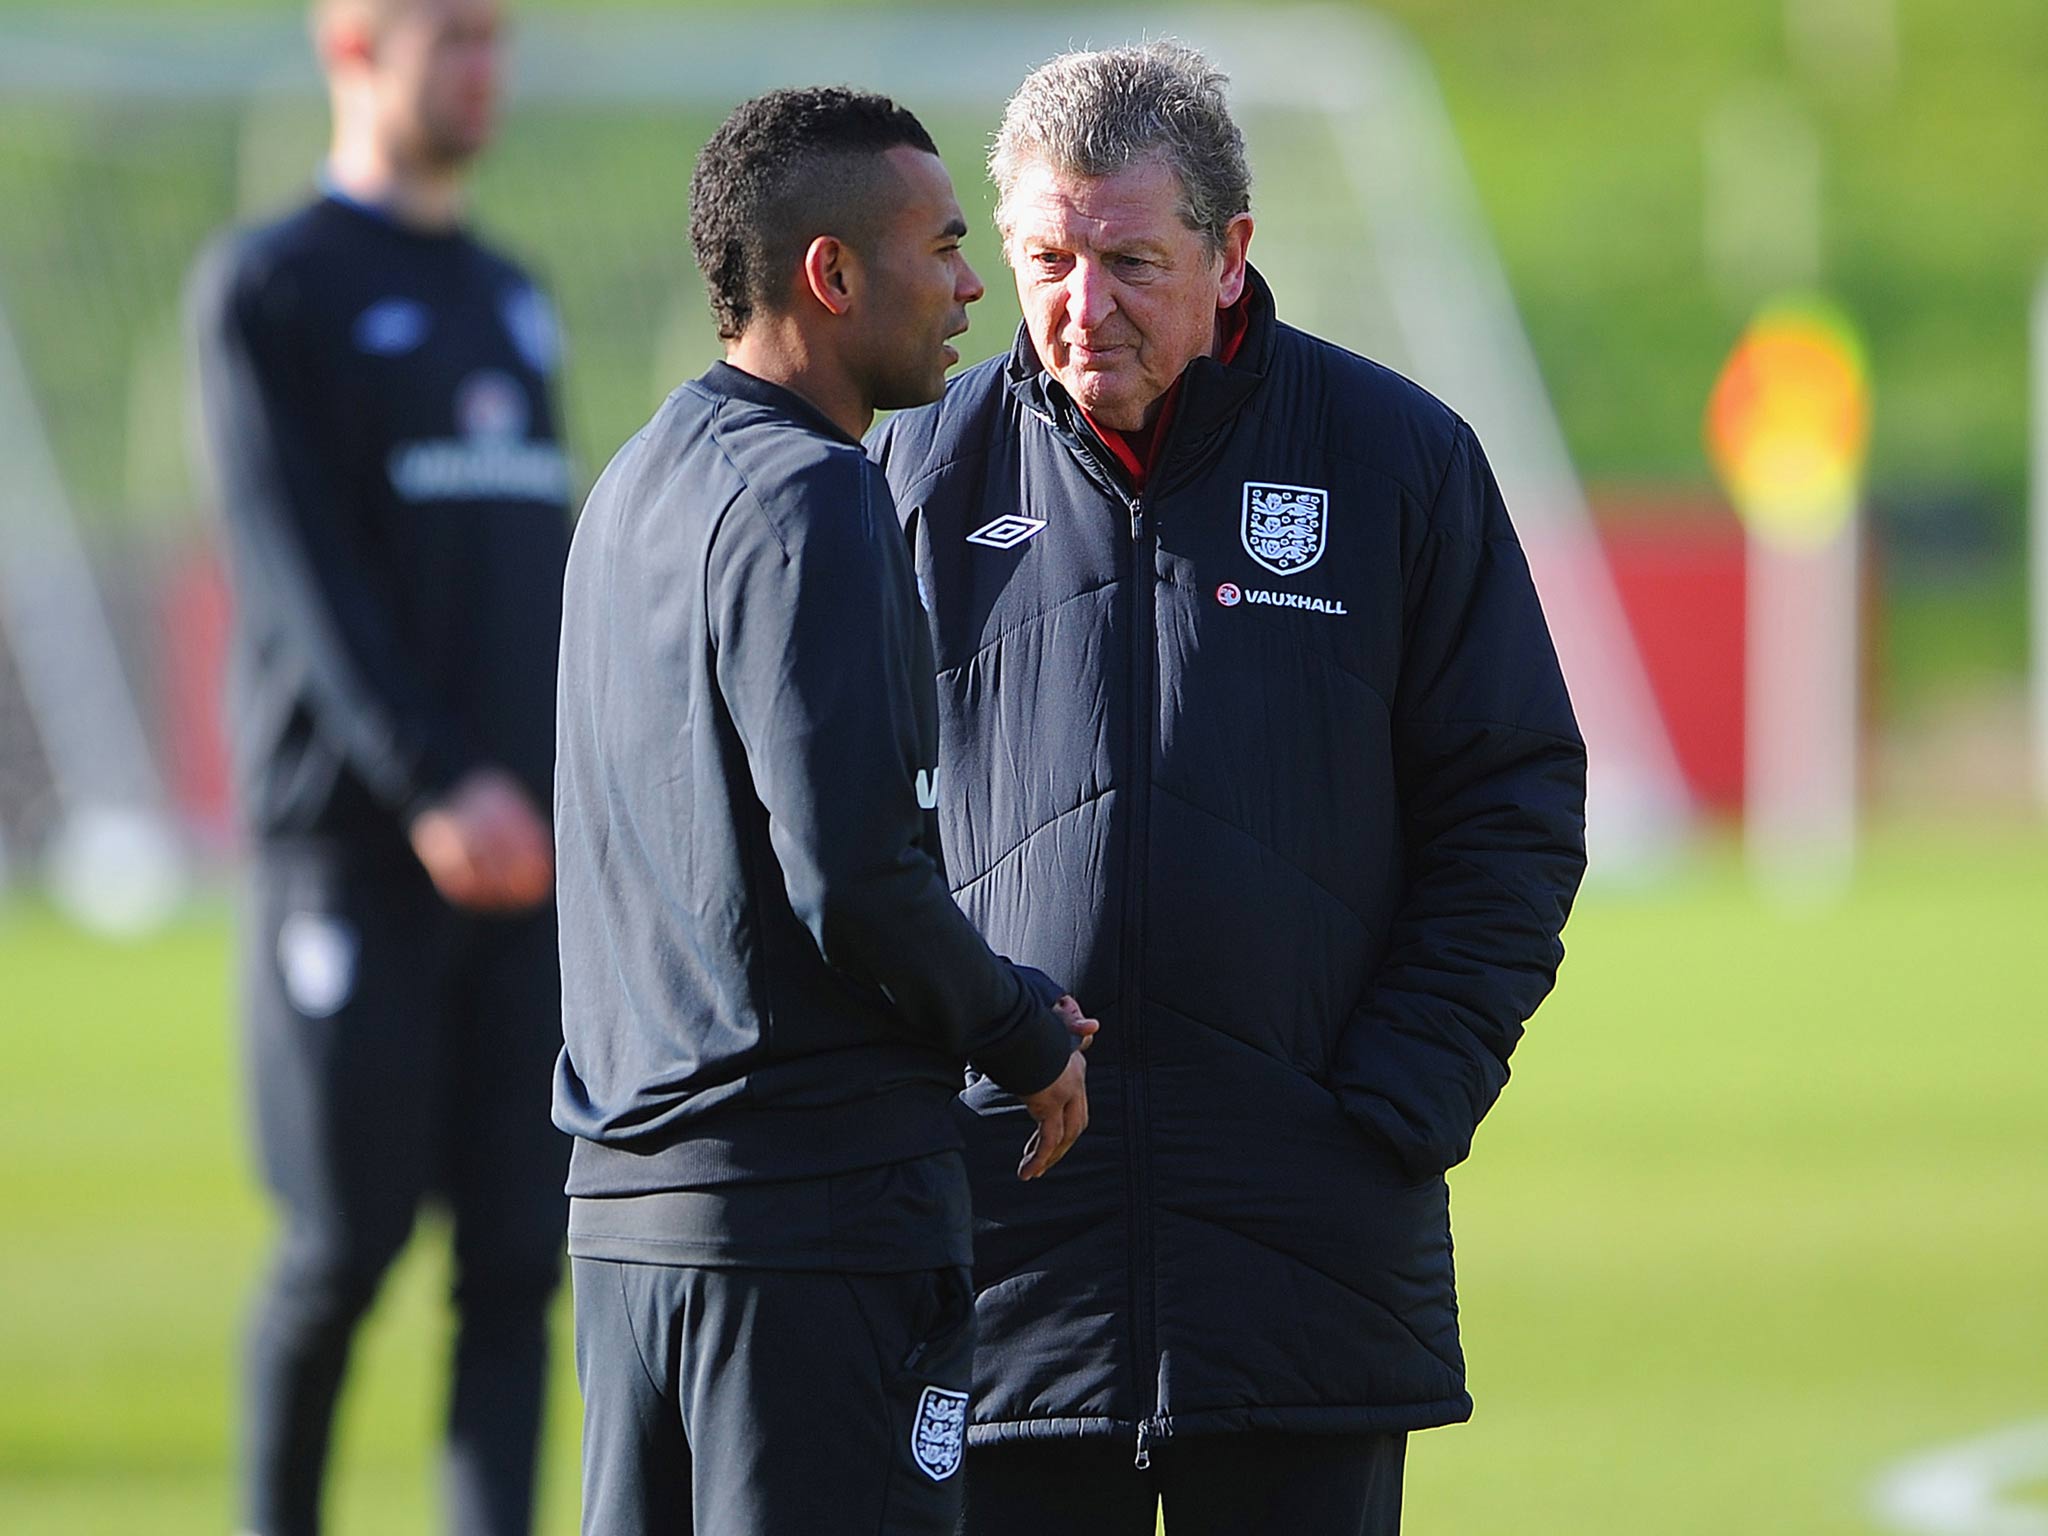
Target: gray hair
x,y
1092,114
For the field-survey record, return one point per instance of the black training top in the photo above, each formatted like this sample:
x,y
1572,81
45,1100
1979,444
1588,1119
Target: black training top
x,y
763,976
911,1215
379,404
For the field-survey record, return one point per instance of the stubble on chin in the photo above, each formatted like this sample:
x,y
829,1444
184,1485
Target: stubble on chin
x,y
1105,406
903,395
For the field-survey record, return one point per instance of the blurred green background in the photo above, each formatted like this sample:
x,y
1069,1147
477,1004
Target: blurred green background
x,y
1766,1208
1586,126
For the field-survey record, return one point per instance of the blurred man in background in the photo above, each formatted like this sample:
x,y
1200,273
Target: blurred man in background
x,y
378,391
767,991
1250,726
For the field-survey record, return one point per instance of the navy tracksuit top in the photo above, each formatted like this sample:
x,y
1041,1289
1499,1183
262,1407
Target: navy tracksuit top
x,y
380,406
1273,765
763,976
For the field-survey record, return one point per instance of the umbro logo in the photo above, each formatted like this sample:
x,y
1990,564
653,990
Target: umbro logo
x,y
392,327
1006,532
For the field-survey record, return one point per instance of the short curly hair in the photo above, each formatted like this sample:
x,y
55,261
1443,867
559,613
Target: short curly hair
x,y
1093,113
783,169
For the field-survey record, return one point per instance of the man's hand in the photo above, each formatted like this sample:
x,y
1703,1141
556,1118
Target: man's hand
x,y
484,845
1079,1025
1061,1111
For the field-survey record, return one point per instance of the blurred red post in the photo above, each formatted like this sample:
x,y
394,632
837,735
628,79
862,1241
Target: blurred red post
x,y
1678,565
195,615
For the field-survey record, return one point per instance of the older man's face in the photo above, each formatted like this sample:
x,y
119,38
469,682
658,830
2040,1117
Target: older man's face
x,y
1118,293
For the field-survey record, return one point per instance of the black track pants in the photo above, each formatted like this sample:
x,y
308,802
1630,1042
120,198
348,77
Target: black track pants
x,y
759,1402
1210,1485
398,1052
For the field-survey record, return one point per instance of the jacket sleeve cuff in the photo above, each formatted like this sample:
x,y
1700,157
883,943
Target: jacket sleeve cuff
x,y
1043,989
1030,1056
426,784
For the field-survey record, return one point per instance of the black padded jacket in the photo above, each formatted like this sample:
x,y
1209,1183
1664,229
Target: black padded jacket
x,y
1274,765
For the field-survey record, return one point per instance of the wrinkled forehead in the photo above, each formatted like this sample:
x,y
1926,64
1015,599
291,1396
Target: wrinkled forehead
x,y
1142,203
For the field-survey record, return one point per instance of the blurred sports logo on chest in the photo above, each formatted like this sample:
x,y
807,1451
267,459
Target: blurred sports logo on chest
x,y
493,459
392,327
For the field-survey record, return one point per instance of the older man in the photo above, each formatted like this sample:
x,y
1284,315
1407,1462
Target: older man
x,y
1252,730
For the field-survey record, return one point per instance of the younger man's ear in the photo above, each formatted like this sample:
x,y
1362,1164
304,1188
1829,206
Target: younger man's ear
x,y
831,272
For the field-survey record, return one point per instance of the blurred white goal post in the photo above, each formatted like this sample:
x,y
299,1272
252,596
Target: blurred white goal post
x,y
1369,226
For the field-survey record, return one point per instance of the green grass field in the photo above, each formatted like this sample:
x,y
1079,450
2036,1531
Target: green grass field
x,y
1762,1213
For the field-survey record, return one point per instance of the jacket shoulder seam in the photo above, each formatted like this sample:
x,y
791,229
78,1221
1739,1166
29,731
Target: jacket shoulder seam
x,y
1365,466
747,492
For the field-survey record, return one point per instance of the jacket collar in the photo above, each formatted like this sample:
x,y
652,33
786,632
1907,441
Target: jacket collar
x,y
738,384
1211,392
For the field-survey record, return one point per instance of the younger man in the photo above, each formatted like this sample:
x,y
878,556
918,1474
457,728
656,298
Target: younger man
x,y
768,991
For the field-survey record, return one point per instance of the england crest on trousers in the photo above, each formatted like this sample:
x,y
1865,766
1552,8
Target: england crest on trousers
x,y
939,1433
1285,527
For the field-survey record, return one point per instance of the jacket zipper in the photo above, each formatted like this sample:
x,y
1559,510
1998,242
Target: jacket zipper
x,y
1144,710
1147,1431
1144,1341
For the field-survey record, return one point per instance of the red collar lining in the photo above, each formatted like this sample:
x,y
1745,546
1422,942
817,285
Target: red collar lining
x,y
1138,451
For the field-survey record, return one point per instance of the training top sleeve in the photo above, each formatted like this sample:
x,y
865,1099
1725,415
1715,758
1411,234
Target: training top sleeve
x,y
297,550
813,660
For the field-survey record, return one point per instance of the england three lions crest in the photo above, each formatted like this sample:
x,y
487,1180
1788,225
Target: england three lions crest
x,y
940,1433
1285,526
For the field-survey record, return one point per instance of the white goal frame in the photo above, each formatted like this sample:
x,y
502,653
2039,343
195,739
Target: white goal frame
x,y
1445,289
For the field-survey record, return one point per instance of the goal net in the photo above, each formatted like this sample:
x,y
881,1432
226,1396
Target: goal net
x,y
126,140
